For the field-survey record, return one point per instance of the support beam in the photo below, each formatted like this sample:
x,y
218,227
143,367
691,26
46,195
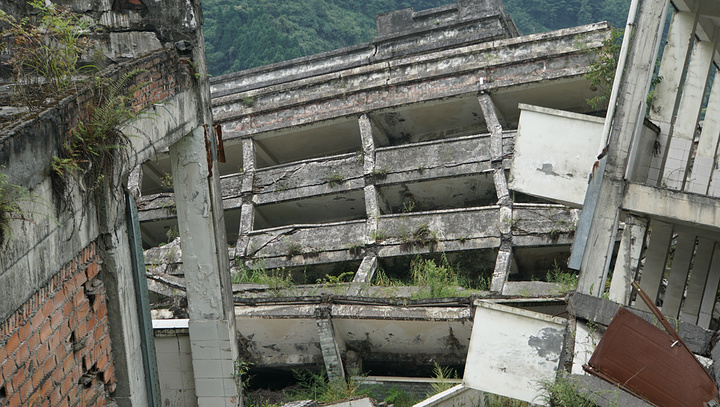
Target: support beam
x,y
135,182
682,133
667,93
679,271
503,262
364,274
328,344
655,260
704,164
698,278
368,144
628,259
263,152
209,292
711,286
673,206
249,165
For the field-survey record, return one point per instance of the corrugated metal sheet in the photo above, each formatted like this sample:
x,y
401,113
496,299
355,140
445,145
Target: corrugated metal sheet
x,y
650,363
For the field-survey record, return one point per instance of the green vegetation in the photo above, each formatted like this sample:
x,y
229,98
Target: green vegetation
x,y
421,237
334,179
45,51
317,386
90,149
443,376
563,393
245,34
566,279
276,280
602,72
435,279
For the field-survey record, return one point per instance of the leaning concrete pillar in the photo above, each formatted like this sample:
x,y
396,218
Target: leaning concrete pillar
x,y
364,274
628,259
698,278
682,134
667,93
645,36
704,164
711,286
504,257
329,345
679,271
655,260
210,302
247,211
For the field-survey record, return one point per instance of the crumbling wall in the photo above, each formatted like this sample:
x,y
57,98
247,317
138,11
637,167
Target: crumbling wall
x,y
56,346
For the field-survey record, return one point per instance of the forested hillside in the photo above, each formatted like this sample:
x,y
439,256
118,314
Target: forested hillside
x,y
242,34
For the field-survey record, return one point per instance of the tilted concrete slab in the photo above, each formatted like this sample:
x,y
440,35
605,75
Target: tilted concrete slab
x,y
512,351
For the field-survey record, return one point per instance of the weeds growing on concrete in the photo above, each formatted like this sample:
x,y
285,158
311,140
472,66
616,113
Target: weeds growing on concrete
x,y
356,249
562,392
557,275
421,237
275,280
443,376
317,386
435,280
334,179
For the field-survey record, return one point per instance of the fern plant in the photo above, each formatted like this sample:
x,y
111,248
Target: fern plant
x,y
90,148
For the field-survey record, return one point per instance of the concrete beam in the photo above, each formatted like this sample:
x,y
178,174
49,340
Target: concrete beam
x,y
682,134
628,259
710,293
655,261
212,323
329,345
673,206
684,253
698,279
704,165
672,69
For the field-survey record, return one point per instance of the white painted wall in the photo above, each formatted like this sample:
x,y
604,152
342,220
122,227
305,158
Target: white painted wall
x,y
512,351
554,153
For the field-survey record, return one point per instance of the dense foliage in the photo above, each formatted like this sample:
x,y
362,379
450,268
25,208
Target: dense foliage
x,y
242,34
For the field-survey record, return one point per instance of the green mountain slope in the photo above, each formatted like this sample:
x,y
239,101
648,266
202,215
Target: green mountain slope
x,y
242,34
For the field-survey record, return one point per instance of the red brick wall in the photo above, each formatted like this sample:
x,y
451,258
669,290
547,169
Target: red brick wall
x,y
55,350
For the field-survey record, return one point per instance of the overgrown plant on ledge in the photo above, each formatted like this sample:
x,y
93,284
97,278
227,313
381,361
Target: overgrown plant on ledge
x,y
44,57
88,153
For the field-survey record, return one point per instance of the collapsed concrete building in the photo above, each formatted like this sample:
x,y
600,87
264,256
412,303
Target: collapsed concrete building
x,y
364,158
449,138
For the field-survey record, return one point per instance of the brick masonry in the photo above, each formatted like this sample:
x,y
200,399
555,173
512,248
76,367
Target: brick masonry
x,y
55,349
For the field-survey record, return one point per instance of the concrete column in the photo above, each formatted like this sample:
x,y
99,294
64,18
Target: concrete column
x,y
676,54
655,260
247,211
135,181
628,259
209,292
677,280
503,262
711,286
704,165
364,274
698,278
123,312
637,73
682,134
328,344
